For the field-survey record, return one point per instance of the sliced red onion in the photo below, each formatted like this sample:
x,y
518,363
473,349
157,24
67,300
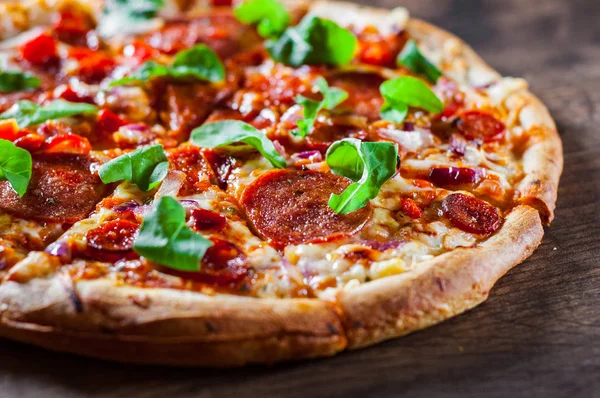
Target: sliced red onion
x,y
131,205
309,155
136,127
408,126
458,144
383,246
189,205
452,176
171,184
280,148
60,250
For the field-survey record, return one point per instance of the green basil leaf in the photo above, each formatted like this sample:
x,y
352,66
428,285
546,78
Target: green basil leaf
x,y
15,166
28,113
332,97
396,113
198,62
413,59
270,15
11,81
315,41
145,167
128,16
229,132
369,164
166,240
407,91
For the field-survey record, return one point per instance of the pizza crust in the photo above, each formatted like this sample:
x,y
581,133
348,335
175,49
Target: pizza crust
x,y
101,319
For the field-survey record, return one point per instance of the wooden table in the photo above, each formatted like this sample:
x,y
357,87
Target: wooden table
x,y
538,335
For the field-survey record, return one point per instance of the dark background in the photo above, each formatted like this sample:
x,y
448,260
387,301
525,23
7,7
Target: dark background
x,y
538,335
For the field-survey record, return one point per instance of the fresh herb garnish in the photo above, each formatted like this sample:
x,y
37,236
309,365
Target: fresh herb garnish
x,y
229,132
131,16
314,41
270,16
415,61
369,164
11,81
15,166
166,240
28,113
405,91
332,97
198,62
145,167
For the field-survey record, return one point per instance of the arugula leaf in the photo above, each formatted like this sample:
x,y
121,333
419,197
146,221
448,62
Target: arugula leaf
x,y
332,97
145,167
198,62
228,132
128,16
369,164
314,41
405,91
164,238
15,166
415,61
271,16
28,113
17,81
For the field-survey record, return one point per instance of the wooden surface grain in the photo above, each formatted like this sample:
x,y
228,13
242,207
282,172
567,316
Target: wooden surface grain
x,y
538,335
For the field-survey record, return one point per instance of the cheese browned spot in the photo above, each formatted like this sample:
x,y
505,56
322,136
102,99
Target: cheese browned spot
x,y
291,207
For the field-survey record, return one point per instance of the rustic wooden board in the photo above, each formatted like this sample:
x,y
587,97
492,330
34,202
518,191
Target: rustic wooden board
x,y
539,333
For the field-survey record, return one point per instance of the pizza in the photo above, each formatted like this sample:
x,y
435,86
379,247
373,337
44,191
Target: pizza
x,y
217,184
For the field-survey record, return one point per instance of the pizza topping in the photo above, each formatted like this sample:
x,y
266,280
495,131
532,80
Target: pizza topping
x,y
17,81
479,125
72,26
108,122
332,97
190,162
128,16
270,16
223,264
230,132
411,58
15,166
410,208
67,143
364,98
471,214
9,130
205,219
405,91
40,51
291,207
222,167
145,167
62,189
314,41
94,65
164,238
325,135
369,164
187,106
199,62
455,176
27,113
116,236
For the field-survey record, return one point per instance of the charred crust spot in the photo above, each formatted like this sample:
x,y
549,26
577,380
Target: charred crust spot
x,y
333,329
440,283
357,324
210,327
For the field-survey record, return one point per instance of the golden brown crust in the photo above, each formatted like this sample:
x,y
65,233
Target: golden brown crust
x,y
100,319
439,289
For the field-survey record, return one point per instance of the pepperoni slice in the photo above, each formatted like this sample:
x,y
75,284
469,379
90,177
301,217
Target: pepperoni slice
x,y
291,207
220,30
223,264
191,162
67,143
364,98
480,125
72,26
221,165
62,189
205,219
454,176
471,214
115,236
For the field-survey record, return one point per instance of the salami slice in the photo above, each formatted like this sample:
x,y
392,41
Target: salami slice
x,y
364,98
291,207
471,214
62,189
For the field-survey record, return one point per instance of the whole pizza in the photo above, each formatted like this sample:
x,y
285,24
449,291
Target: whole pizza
x,y
216,184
